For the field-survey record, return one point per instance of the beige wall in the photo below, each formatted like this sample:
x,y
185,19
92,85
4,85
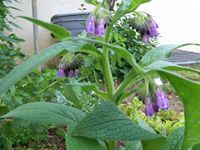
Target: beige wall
x,y
46,9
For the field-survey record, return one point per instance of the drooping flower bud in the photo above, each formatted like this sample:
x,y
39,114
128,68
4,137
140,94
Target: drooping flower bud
x,y
90,25
149,107
76,73
60,71
146,26
153,26
70,73
100,29
145,38
162,100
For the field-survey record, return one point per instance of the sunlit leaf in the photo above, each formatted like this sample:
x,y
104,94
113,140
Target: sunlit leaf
x,y
107,122
189,93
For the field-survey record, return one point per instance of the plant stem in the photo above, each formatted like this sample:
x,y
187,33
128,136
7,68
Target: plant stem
x,y
111,145
108,76
132,75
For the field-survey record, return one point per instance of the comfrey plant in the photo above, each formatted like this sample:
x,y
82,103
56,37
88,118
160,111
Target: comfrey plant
x,y
102,128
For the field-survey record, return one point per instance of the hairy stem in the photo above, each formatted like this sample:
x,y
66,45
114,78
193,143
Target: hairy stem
x,y
111,145
108,77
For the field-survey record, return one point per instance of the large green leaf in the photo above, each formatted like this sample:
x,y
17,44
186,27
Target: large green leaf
x,y
155,144
59,32
189,91
45,113
169,66
175,139
81,143
161,52
107,122
22,70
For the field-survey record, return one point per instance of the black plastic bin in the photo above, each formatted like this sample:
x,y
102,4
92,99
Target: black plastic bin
x,y
74,22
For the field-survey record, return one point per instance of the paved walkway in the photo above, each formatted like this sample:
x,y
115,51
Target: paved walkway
x,y
185,57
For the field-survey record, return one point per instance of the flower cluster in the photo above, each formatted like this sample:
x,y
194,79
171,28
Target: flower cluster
x,y
95,26
161,103
146,26
70,73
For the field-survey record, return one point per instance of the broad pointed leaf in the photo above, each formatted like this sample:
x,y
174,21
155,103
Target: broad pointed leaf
x,y
45,113
107,122
59,32
190,95
175,139
161,52
169,66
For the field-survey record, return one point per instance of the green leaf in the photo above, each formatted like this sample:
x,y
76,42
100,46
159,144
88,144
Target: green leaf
x,y
161,52
133,145
89,48
71,96
59,32
189,93
4,143
175,139
22,70
45,113
169,66
196,147
81,143
93,2
107,122
155,144
117,49
130,5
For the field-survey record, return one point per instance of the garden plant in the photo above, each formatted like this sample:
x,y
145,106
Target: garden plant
x,y
106,127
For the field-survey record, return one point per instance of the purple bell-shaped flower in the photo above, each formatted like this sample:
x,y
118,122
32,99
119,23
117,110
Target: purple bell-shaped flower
x,y
76,73
90,25
100,29
70,73
145,38
149,107
162,100
146,26
60,71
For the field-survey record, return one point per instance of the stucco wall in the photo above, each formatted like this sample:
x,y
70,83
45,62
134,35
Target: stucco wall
x,y
46,9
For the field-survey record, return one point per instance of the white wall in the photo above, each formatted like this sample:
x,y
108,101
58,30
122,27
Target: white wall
x,y
46,9
179,20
